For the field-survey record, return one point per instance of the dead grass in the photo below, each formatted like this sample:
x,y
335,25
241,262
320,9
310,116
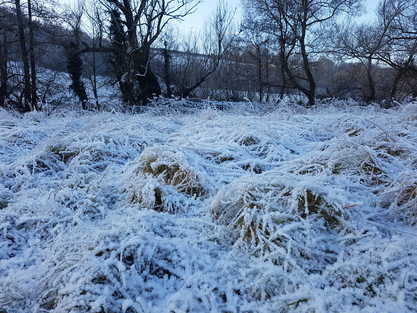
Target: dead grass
x,y
155,203
311,203
406,201
64,154
391,150
248,140
358,161
152,194
173,169
256,212
353,131
3,204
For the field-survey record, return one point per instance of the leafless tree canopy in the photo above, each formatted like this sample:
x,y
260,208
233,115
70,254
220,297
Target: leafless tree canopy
x,y
311,47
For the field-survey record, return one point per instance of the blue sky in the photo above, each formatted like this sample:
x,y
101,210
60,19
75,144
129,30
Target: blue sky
x,y
196,21
207,7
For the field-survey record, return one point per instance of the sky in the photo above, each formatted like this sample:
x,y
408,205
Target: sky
x,y
206,9
195,22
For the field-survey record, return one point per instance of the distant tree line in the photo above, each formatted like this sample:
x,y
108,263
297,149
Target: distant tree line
x,y
310,47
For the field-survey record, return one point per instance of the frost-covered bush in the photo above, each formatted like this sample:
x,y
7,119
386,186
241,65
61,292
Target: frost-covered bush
x,y
409,111
154,194
341,158
406,202
401,198
166,179
373,278
276,214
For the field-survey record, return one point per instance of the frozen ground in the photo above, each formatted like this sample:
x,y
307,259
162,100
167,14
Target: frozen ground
x,y
180,210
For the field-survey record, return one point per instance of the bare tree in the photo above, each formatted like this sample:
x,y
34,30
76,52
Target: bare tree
x,y
96,32
4,58
143,22
207,54
168,46
366,42
258,42
389,40
33,76
401,48
25,106
294,22
3,67
72,51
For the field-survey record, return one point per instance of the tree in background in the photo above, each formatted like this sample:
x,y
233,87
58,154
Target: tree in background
x,y
401,49
142,23
169,44
295,23
96,33
364,43
33,75
4,58
72,51
118,56
258,44
204,53
25,104
283,47
75,69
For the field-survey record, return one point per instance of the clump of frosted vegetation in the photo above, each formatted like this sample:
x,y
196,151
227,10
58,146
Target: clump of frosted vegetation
x,y
216,208
166,179
280,215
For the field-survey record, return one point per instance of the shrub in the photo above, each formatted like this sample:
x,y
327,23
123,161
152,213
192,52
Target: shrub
x,y
352,160
165,180
153,194
174,167
267,211
405,199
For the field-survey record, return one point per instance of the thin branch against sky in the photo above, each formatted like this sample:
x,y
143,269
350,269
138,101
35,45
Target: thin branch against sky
x,y
196,21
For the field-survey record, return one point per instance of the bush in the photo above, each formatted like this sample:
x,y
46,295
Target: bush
x,y
403,196
166,180
345,159
269,212
175,167
153,194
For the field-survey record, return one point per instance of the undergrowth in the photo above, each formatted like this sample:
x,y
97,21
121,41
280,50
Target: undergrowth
x,y
178,209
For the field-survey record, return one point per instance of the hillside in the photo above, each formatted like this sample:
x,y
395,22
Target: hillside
x,y
206,210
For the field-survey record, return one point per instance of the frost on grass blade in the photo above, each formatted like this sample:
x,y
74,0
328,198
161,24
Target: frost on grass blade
x,y
271,209
153,194
166,179
273,213
401,198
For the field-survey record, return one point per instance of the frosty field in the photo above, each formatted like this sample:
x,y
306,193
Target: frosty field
x,y
238,210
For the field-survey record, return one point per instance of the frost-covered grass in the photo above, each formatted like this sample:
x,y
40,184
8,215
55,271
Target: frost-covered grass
x,y
178,210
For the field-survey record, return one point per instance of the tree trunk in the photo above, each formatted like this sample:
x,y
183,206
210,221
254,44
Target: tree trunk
x,y
25,106
259,68
267,74
74,67
3,69
282,68
144,84
311,90
371,83
395,83
34,95
138,84
94,79
149,87
167,70
186,91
